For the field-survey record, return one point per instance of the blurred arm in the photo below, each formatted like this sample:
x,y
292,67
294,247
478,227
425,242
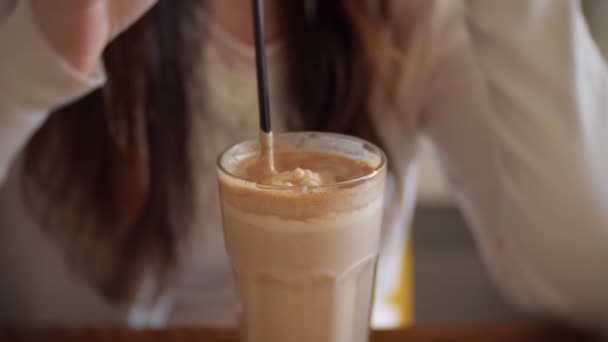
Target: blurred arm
x,y
518,109
33,81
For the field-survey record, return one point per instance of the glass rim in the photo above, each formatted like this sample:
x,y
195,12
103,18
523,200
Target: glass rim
x,y
357,180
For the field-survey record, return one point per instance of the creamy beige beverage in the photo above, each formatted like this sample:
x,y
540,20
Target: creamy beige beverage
x,y
303,241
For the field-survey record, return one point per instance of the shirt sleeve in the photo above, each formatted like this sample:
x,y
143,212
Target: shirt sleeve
x,y
34,80
517,107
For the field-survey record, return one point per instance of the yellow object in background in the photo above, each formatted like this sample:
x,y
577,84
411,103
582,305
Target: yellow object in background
x,y
403,298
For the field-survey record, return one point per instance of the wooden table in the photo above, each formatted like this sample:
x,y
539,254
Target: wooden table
x,y
435,333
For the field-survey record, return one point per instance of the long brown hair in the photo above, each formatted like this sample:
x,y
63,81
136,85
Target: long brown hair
x,y
110,174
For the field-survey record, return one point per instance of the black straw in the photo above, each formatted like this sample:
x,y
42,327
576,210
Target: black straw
x,y
260,59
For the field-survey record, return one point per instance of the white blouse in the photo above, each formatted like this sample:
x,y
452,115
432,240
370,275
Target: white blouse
x,y
513,94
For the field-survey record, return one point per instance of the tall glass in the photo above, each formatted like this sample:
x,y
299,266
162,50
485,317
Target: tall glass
x,y
304,257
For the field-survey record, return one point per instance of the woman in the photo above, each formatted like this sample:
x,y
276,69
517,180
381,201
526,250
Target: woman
x,y
109,209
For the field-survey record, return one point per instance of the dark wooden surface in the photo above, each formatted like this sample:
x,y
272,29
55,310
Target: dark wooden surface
x,y
435,333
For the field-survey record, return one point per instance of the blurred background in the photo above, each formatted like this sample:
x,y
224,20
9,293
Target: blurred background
x,y
450,281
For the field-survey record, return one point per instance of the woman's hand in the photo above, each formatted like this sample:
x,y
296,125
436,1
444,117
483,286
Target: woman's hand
x,y
79,30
